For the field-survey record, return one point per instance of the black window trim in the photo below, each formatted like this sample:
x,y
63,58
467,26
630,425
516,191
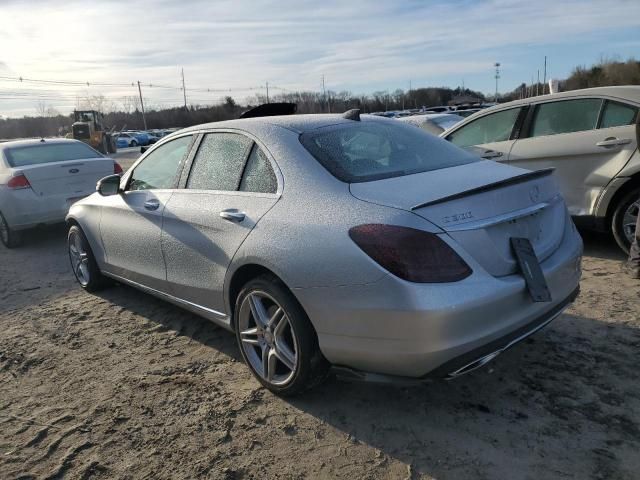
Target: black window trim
x,y
188,164
178,176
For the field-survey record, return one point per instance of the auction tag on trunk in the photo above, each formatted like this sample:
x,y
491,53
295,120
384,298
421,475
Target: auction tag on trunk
x,y
530,269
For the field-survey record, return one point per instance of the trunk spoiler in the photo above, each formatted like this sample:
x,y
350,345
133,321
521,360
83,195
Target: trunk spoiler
x,y
525,177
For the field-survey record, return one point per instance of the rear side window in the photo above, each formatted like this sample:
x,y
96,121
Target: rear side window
x,y
258,175
373,150
48,153
618,115
566,117
496,127
219,162
159,169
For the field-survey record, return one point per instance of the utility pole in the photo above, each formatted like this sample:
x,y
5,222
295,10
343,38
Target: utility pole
x,y
267,92
184,91
544,82
144,118
538,84
497,77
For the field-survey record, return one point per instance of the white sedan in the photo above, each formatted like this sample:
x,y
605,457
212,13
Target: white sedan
x,y
40,179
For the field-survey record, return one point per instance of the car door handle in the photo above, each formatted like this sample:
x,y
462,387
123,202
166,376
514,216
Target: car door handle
x,y
151,204
491,154
232,215
613,142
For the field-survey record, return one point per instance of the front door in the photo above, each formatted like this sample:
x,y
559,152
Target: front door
x,y
490,136
231,185
131,222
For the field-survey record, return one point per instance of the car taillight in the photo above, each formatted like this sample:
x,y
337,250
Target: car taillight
x,y
413,255
18,182
117,169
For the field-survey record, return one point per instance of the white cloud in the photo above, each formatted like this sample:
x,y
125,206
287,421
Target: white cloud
x,y
359,44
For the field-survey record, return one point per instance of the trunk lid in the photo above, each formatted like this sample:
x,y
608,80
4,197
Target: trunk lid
x,y
71,178
481,206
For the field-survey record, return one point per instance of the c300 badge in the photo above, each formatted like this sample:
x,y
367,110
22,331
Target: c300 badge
x,y
458,217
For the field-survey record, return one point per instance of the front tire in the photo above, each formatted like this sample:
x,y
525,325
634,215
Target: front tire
x,y
134,143
83,262
276,338
9,238
625,217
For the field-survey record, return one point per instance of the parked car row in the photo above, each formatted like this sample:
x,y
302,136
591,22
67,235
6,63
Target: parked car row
x,y
135,138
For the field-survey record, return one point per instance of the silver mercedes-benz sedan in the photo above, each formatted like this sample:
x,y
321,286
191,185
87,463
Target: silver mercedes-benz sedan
x,y
335,240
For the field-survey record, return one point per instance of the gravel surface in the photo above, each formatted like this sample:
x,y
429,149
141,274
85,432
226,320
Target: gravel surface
x,y
121,385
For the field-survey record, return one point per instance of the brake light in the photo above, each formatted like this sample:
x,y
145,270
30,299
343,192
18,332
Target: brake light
x,y
413,255
117,169
18,182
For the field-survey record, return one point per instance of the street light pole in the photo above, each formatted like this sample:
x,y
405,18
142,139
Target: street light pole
x,y
497,76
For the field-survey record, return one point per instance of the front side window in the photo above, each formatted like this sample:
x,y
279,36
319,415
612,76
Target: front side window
x,y
48,153
219,163
496,127
258,175
618,115
373,150
566,116
159,169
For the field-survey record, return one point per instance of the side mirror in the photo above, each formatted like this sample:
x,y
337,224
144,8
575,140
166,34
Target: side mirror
x,y
109,185
144,149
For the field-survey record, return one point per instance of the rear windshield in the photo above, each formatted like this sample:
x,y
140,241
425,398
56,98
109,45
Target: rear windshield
x,y
48,153
366,151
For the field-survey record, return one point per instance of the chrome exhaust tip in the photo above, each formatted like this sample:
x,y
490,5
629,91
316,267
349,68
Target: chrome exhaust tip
x,y
477,363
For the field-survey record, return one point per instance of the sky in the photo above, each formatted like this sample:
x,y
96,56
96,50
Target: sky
x,y
235,47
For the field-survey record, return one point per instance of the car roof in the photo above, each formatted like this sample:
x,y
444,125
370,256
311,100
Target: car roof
x,y
628,92
296,123
35,141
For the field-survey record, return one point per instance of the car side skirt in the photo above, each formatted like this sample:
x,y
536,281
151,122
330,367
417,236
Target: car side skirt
x,y
216,317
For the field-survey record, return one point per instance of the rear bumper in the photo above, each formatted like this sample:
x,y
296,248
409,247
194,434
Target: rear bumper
x,y
397,328
479,357
24,209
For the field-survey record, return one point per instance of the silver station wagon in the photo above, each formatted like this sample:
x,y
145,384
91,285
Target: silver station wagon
x,y
335,240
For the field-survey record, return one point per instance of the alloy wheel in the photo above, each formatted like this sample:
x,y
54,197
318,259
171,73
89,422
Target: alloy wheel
x,y
79,259
268,339
630,219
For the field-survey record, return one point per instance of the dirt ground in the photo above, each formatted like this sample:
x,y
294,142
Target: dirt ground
x,y
121,385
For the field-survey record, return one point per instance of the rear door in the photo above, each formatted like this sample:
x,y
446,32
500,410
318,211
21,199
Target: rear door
x,y
490,136
231,184
586,140
131,222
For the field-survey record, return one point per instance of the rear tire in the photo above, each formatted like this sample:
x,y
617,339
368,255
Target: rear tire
x,y
624,219
9,237
83,262
281,348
